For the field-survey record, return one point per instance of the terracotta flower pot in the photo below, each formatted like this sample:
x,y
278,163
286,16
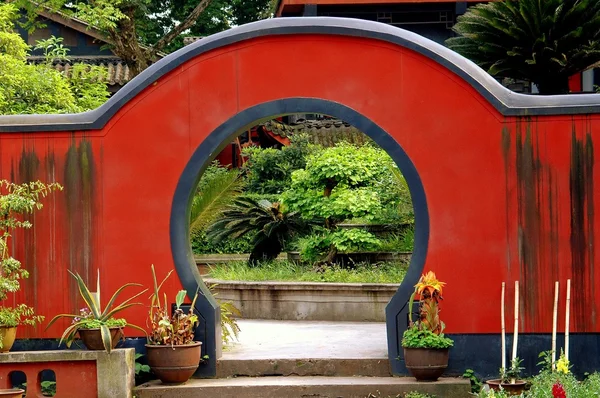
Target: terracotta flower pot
x,y
7,335
511,388
174,364
11,393
426,364
92,338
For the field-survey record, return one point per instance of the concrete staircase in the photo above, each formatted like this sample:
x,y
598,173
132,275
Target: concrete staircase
x,y
287,359
304,386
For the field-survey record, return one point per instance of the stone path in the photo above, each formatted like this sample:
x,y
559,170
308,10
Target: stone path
x,y
268,339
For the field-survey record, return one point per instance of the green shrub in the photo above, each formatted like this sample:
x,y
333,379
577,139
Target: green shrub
x,y
424,338
313,247
343,182
202,245
270,170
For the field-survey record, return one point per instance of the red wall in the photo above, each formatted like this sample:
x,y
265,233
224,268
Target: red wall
x,y
508,198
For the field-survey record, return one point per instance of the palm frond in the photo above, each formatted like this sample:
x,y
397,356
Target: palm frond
x,y
213,198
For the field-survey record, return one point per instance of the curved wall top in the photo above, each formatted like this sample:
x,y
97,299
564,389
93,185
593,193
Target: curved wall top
x,y
508,103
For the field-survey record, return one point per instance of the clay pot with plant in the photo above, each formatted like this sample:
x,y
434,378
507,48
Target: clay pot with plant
x,y
16,202
172,353
426,349
97,327
509,380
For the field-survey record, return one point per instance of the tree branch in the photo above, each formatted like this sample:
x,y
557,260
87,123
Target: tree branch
x,y
189,21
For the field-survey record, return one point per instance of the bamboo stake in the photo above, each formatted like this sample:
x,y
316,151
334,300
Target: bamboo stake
x,y
568,313
516,332
554,322
503,328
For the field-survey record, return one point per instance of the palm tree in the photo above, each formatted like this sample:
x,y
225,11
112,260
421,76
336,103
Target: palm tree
x,y
543,41
273,226
213,197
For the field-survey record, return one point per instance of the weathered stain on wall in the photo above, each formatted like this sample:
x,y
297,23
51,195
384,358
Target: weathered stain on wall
x,y
29,169
581,189
79,181
535,236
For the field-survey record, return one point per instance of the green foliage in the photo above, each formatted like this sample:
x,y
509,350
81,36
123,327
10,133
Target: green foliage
x,y
48,388
202,245
270,170
270,222
541,41
496,394
166,329
26,88
545,360
230,329
217,190
19,315
94,316
17,200
289,271
401,242
476,383
156,17
416,394
414,337
313,247
513,372
343,182
139,368
96,324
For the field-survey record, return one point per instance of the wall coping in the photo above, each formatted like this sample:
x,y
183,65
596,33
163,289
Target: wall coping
x,y
320,286
60,355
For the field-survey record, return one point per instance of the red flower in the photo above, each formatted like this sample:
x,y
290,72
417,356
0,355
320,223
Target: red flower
x,y
558,391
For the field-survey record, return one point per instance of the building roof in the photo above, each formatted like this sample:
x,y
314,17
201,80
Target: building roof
x,y
325,132
295,4
118,71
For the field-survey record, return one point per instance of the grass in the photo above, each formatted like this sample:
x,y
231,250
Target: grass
x,y
285,271
400,242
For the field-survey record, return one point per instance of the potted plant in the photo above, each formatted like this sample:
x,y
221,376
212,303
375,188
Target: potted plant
x,y
97,328
425,346
172,353
16,200
509,379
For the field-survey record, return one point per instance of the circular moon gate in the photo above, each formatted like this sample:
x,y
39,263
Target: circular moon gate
x,y
201,158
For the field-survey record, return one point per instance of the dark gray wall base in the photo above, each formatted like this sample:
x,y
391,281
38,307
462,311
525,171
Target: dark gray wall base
x,y
481,352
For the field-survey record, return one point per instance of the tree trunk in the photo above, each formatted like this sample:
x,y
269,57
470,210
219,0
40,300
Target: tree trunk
x,y
126,45
553,85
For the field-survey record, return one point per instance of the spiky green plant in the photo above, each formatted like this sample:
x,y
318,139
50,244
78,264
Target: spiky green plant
x,y
545,42
274,226
98,317
213,197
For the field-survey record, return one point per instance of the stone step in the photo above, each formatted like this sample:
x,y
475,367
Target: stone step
x,y
307,386
370,367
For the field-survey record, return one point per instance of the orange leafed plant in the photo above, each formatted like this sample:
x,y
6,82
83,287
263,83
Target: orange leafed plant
x,y
429,288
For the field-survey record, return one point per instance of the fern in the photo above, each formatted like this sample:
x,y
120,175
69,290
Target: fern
x,y
215,196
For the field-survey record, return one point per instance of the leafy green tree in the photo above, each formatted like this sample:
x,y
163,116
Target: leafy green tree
x,y
342,183
545,42
138,30
27,88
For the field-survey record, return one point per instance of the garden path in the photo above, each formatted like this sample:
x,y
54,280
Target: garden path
x,y
269,339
